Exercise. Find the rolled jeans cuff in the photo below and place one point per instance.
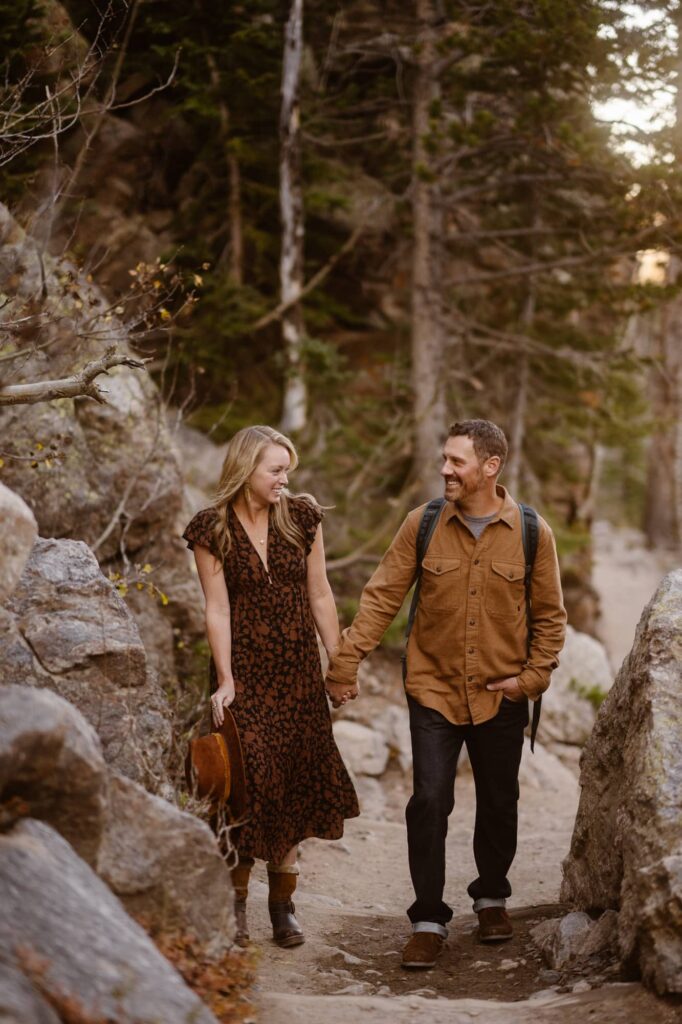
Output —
(485, 902)
(430, 926)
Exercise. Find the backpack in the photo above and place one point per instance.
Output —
(529, 535)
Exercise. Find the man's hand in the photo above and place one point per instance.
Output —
(510, 688)
(340, 693)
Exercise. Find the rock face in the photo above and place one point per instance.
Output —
(165, 866)
(626, 847)
(112, 478)
(576, 937)
(561, 941)
(363, 750)
(51, 764)
(76, 943)
(19, 532)
(67, 629)
(21, 1003)
(162, 863)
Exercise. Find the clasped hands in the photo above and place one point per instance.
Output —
(340, 693)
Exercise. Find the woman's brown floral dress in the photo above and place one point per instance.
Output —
(297, 784)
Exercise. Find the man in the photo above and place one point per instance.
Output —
(470, 673)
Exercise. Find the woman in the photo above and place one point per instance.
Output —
(260, 558)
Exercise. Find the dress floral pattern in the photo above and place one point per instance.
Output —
(297, 784)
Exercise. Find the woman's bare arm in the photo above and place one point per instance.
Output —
(320, 596)
(218, 629)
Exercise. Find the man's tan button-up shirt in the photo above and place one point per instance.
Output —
(470, 627)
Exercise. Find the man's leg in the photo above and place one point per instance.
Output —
(436, 744)
(495, 749)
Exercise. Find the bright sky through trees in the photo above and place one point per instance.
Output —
(635, 114)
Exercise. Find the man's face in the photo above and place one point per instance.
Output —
(461, 470)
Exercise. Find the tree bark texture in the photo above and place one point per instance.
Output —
(294, 412)
(427, 330)
(518, 425)
(663, 508)
(235, 244)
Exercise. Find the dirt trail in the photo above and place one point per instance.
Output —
(353, 894)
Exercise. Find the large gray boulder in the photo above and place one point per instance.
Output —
(67, 629)
(63, 929)
(626, 852)
(51, 766)
(163, 863)
(166, 867)
(363, 750)
(19, 532)
(20, 1002)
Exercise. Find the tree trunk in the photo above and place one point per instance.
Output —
(235, 262)
(235, 246)
(428, 335)
(294, 412)
(527, 318)
(663, 507)
(518, 428)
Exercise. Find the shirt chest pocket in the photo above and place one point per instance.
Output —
(505, 596)
(440, 582)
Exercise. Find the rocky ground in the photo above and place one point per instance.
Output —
(354, 891)
(352, 899)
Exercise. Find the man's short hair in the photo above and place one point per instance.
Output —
(487, 438)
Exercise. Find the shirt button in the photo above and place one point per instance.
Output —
(476, 561)
(472, 622)
(470, 678)
(511, 575)
(473, 591)
(471, 650)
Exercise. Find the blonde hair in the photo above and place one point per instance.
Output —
(244, 452)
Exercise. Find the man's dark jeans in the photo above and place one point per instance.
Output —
(495, 749)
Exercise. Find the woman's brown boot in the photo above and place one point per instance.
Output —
(286, 931)
(240, 884)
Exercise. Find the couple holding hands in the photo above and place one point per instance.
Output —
(472, 667)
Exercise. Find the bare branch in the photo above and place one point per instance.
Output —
(388, 524)
(316, 279)
(80, 385)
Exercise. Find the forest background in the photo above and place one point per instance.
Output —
(362, 220)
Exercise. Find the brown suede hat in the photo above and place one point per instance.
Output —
(214, 769)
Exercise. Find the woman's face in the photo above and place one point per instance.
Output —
(270, 475)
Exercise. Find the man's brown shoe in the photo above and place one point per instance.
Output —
(494, 925)
(422, 950)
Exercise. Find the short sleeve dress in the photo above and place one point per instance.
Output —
(297, 784)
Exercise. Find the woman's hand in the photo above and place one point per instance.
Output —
(340, 693)
(223, 697)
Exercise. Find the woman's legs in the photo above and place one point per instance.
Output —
(282, 879)
(240, 884)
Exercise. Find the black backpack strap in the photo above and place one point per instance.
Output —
(424, 533)
(530, 531)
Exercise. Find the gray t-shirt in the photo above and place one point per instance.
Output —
(477, 524)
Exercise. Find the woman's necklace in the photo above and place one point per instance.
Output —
(254, 529)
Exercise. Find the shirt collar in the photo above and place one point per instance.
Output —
(508, 513)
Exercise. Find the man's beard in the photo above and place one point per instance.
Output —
(466, 488)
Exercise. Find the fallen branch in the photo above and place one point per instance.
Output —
(80, 385)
